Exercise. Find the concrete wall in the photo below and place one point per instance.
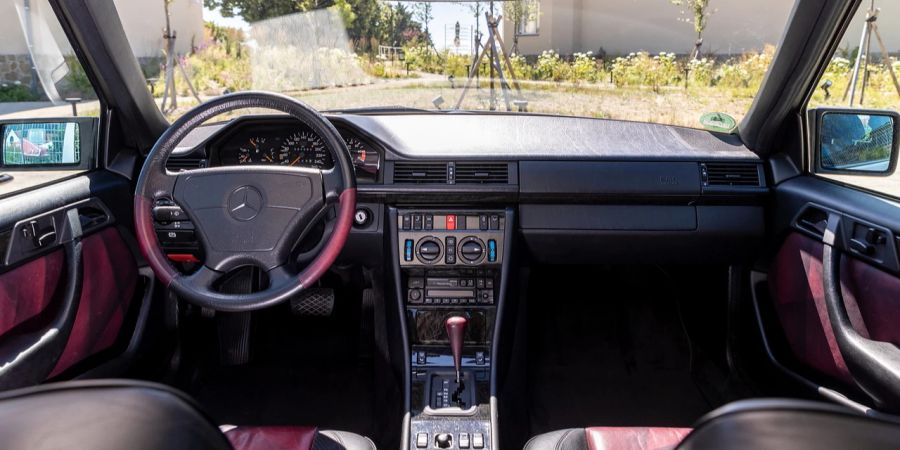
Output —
(624, 26)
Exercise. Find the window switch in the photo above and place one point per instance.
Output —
(422, 440)
(477, 440)
(463, 440)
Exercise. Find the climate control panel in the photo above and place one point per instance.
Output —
(458, 238)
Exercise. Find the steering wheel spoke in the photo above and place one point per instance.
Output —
(281, 276)
(247, 215)
(203, 279)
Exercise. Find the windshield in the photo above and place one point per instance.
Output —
(696, 63)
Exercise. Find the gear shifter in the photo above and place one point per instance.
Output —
(456, 331)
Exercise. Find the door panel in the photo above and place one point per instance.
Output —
(835, 284)
(110, 279)
(871, 296)
(27, 291)
(66, 298)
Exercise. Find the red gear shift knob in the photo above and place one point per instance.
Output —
(456, 331)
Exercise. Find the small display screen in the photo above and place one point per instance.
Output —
(447, 293)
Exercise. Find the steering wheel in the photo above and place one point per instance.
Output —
(247, 215)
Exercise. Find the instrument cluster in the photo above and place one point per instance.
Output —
(290, 143)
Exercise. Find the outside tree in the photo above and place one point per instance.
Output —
(368, 22)
(518, 12)
(699, 16)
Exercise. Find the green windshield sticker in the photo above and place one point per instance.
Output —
(716, 121)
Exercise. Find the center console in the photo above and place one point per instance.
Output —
(451, 272)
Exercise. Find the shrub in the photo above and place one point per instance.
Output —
(550, 67)
(16, 92)
(641, 69)
(747, 71)
(701, 72)
(584, 68)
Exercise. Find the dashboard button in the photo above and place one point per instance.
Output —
(492, 250)
(406, 222)
(175, 236)
(483, 222)
(451, 222)
(460, 222)
(408, 250)
(429, 221)
(495, 222)
(417, 221)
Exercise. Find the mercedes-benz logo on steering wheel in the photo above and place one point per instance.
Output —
(245, 203)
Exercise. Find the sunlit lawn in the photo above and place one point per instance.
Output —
(670, 105)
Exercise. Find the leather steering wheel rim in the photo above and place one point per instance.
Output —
(214, 220)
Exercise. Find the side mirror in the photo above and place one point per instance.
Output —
(64, 143)
(856, 141)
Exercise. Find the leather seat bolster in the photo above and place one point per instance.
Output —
(634, 438)
(274, 438)
(568, 439)
(294, 438)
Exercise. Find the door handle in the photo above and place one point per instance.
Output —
(874, 365)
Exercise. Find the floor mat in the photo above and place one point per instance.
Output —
(303, 371)
(607, 348)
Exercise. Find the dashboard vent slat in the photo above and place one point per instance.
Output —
(730, 174)
(482, 173)
(177, 164)
(420, 172)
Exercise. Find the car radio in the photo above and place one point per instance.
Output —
(468, 287)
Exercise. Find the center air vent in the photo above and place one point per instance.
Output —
(482, 173)
(420, 172)
(177, 164)
(730, 174)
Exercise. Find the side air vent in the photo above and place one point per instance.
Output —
(177, 164)
(482, 173)
(420, 172)
(730, 174)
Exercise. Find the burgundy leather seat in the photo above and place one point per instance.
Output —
(290, 438)
(120, 414)
(769, 424)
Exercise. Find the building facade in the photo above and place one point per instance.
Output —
(619, 27)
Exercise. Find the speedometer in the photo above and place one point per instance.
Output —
(304, 149)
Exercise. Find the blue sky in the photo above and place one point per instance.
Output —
(445, 17)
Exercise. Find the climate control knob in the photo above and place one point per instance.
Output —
(471, 250)
(428, 250)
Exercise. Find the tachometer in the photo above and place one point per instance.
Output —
(304, 149)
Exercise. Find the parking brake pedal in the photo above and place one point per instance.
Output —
(314, 302)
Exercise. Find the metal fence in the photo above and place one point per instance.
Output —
(41, 143)
(876, 147)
